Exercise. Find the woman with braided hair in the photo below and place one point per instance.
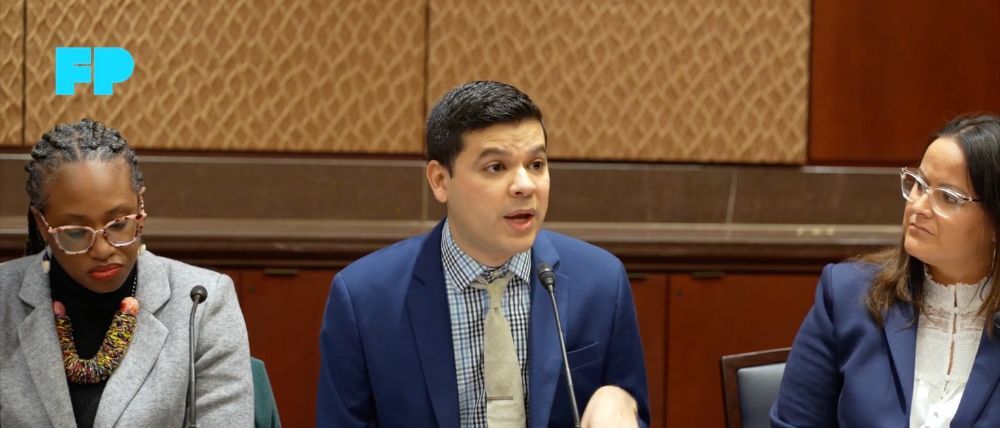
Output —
(93, 328)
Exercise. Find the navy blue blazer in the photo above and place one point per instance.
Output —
(386, 345)
(845, 370)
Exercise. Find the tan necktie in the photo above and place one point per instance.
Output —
(502, 372)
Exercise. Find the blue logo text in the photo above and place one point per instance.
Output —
(103, 66)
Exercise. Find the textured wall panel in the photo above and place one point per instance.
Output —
(296, 75)
(687, 80)
(11, 62)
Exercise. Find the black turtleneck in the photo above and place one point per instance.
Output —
(91, 314)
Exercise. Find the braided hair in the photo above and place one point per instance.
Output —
(86, 140)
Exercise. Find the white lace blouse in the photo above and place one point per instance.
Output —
(948, 334)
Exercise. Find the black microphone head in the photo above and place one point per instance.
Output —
(546, 275)
(198, 294)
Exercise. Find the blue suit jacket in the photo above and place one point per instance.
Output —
(845, 370)
(386, 345)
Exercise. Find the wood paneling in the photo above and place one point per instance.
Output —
(887, 74)
(283, 311)
(11, 72)
(650, 295)
(709, 317)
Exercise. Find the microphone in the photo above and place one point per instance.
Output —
(198, 295)
(548, 278)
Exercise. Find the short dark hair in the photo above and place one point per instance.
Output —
(86, 140)
(471, 106)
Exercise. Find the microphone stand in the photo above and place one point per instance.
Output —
(198, 295)
(548, 279)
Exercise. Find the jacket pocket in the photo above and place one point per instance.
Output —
(584, 356)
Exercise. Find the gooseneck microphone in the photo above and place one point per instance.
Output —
(548, 278)
(198, 295)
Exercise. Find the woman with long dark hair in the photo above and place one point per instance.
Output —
(908, 336)
(94, 328)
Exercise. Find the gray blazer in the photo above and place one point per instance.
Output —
(149, 388)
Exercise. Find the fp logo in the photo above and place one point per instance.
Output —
(105, 67)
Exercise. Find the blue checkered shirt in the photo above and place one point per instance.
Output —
(468, 306)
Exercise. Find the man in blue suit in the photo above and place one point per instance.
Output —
(408, 339)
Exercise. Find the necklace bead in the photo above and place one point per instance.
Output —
(113, 348)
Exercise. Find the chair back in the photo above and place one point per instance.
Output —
(265, 409)
(750, 385)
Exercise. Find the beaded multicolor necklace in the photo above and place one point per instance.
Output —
(112, 350)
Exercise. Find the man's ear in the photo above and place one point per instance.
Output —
(438, 178)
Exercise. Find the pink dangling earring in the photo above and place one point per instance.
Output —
(142, 248)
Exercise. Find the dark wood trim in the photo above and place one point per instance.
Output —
(332, 244)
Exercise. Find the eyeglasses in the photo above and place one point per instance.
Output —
(944, 201)
(119, 232)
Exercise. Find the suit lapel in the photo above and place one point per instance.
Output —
(982, 382)
(40, 348)
(545, 355)
(427, 303)
(153, 291)
(901, 336)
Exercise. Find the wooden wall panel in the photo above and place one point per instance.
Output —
(887, 74)
(712, 317)
(690, 80)
(242, 75)
(11, 72)
(650, 295)
(283, 312)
